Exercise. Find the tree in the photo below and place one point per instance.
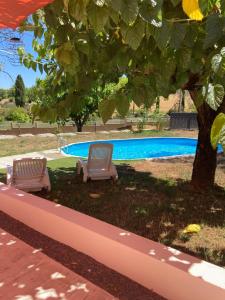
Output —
(154, 43)
(89, 107)
(52, 104)
(19, 91)
(49, 104)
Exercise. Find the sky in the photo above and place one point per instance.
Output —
(28, 75)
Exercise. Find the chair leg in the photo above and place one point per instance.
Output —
(115, 178)
(78, 166)
(85, 178)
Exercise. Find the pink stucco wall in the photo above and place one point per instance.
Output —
(169, 272)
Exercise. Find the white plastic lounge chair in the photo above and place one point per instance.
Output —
(99, 164)
(29, 174)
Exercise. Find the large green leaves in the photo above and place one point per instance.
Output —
(127, 8)
(64, 54)
(133, 34)
(122, 104)
(107, 108)
(217, 130)
(207, 6)
(218, 63)
(215, 26)
(178, 35)
(162, 35)
(213, 95)
(68, 57)
(77, 9)
(97, 16)
(150, 11)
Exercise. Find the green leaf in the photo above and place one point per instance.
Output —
(40, 67)
(222, 7)
(48, 114)
(129, 11)
(77, 9)
(64, 54)
(218, 64)
(122, 104)
(162, 35)
(46, 68)
(139, 95)
(214, 30)
(207, 6)
(98, 17)
(114, 16)
(35, 109)
(27, 63)
(217, 126)
(34, 66)
(216, 60)
(151, 11)
(107, 108)
(175, 2)
(184, 58)
(133, 35)
(178, 35)
(214, 95)
(117, 5)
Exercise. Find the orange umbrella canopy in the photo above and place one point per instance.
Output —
(13, 12)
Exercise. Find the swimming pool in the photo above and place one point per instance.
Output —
(140, 148)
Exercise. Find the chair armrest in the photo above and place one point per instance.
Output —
(82, 162)
(9, 174)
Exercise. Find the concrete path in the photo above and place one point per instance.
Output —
(49, 154)
(27, 274)
(9, 137)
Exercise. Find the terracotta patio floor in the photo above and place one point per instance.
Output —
(26, 274)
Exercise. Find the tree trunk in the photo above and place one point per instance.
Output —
(79, 127)
(204, 167)
(157, 106)
(79, 124)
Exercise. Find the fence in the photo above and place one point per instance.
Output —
(183, 121)
(15, 128)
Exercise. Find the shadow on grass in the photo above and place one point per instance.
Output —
(137, 195)
(158, 209)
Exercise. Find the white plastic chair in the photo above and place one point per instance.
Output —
(29, 174)
(99, 164)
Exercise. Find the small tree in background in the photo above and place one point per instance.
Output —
(19, 91)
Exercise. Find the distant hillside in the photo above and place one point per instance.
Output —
(171, 104)
(4, 103)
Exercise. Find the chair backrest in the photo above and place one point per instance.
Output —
(100, 156)
(29, 168)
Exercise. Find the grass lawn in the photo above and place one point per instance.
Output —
(152, 199)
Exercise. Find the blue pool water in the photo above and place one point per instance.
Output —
(142, 148)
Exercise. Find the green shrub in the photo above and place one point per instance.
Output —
(141, 124)
(1, 119)
(17, 114)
